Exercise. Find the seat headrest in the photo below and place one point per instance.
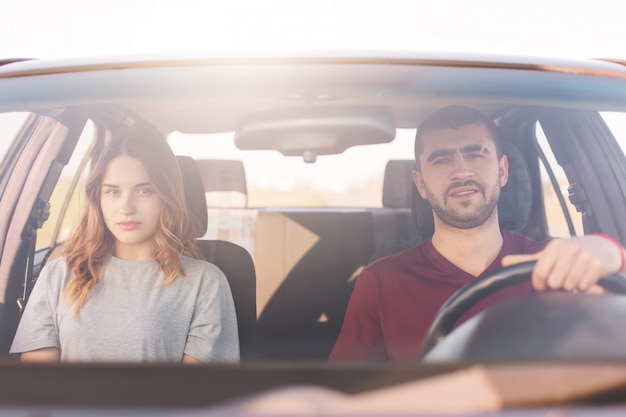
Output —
(194, 193)
(516, 197)
(221, 176)
(514, 205)
(398, 180)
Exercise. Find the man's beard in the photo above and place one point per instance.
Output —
(465, 219)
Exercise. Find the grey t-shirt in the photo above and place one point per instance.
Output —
(130, 318)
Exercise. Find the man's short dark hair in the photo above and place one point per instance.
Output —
(454, 117)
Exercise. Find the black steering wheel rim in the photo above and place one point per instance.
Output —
(468, 296)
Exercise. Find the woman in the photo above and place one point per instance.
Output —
(127, 288)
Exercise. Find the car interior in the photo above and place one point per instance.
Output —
(298, 173)
(292, 267)
(289, 326)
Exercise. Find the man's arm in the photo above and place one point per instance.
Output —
(573, 264)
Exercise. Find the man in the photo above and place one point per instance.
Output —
(460, 171)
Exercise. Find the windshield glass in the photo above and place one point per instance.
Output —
(229, 215)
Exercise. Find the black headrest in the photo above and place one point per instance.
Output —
(516, 197)
(398, 179)
(225, 182)
(194, 192)
(222, 175)
(513, 207)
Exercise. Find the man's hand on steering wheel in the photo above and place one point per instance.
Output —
(573, 264)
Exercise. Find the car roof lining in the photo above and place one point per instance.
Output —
(212, 99)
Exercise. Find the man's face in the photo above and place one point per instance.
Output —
(461, 175)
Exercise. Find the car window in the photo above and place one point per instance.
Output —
(561, 216)
(617, 123)
(350, 179)
(10, 124)
(67, 199)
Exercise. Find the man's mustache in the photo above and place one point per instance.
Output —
(466, 183)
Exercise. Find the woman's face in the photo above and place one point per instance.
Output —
(131, 208)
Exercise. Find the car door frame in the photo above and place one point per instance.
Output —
(45, 146)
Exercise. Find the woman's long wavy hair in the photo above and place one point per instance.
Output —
(91, 241)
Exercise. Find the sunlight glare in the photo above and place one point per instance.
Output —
(559, 28)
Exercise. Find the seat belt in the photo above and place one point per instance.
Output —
(40, 213)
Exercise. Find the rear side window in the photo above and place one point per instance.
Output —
(353, 178)
(10, 125)
(67, 200)
(561, 216)
(617, 123)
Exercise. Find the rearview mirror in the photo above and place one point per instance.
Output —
(313, 131)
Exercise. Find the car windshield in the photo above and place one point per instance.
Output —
(296, 187)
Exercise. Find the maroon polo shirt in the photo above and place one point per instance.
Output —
(396, 299)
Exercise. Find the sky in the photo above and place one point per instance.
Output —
(68, 28)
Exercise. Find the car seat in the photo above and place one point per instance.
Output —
(232, 259)
(224, 176)
(226, 195)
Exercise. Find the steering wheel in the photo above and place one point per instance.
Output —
(468, 296)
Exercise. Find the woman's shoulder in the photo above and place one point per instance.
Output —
(208, 275)
(195, 266)
(57, 265)
(55, 272)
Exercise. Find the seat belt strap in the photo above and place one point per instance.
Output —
(40, 213)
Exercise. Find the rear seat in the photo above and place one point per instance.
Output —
(306, 259)
(306, 262)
